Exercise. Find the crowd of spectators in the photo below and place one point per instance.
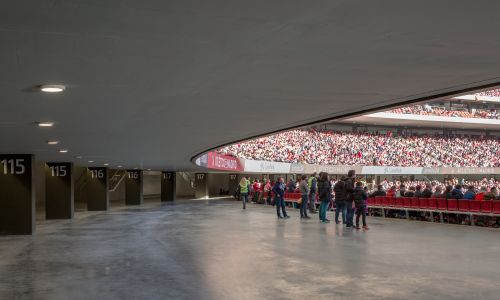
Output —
(428, 110)
(490, 93)
(360, 148)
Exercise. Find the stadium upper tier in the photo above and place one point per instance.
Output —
(367, 149)
(429, 110)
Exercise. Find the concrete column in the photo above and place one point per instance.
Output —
(201, 185)
(134, 187)
(17, 195)
(168, 182)
(59, 191)
(97, 189)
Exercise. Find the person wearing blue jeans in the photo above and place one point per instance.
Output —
(349, 189)
(325, 194)
(279, 198)
(340, 208)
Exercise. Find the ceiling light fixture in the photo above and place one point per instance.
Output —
(78, 157)
(106, 164)
(91, 161)
(63, 151)
(119, 166)
(52, 88)
(45, 124)
(52, 142)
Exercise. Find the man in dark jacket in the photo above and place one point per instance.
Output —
(457, 192)
(349, 188)
(340, 200)
(325, 195)
(427, 193)
(379, 192)
(279, 197)
(359, 195)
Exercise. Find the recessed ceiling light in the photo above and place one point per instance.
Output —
(91, 161)
(149, 169)
(135, 168)
(52, 142)
(63, 151)
(78, 157)
(119, 166)
(45, 124)
(52, 88)
(106, 164)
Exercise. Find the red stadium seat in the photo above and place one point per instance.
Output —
(414, 202)
(392, 201)
(399, 202)
(475, 206)
(487, 206)
(385, 201)
(423, 203)
(406, 202)
(452, 204)
(496, 207)
(442, 204)
(378, 201)
(432, 203)
(463, 205)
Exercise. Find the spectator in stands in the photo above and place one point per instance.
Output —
(379, 192)
(244, 190)
(410, 192)
(304, 192)
(392, 191)
(418, 191)
(325, 194)
(492, 195)
(448, 193)
(313, 187)
(469, 194)
(427, 192)
(457, 192)
(401, 192)
(360, 196)
(438, 193)
(279, 198)
(480, 195)
(340, 200)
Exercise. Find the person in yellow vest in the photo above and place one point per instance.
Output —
(244, 183)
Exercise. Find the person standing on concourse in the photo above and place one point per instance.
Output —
(304, 192)
(244, 191)
(279, 198)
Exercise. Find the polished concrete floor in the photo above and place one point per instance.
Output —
(215, 250)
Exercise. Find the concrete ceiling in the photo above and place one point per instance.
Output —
(152, 83)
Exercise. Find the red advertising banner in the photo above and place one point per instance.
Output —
(224, 162)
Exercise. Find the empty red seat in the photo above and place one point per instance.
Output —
(406, 202)
(487, 206)
(463, 205)
(414, 202)
(423, 203)
(399, 202)
(452, 204)
(392, 201)
(496, 207)
(442, 204)
(385, 201)
(432, 203)
(370, 201)
(378, 200)
(475, 206)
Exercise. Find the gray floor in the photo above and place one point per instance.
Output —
(215, 250)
